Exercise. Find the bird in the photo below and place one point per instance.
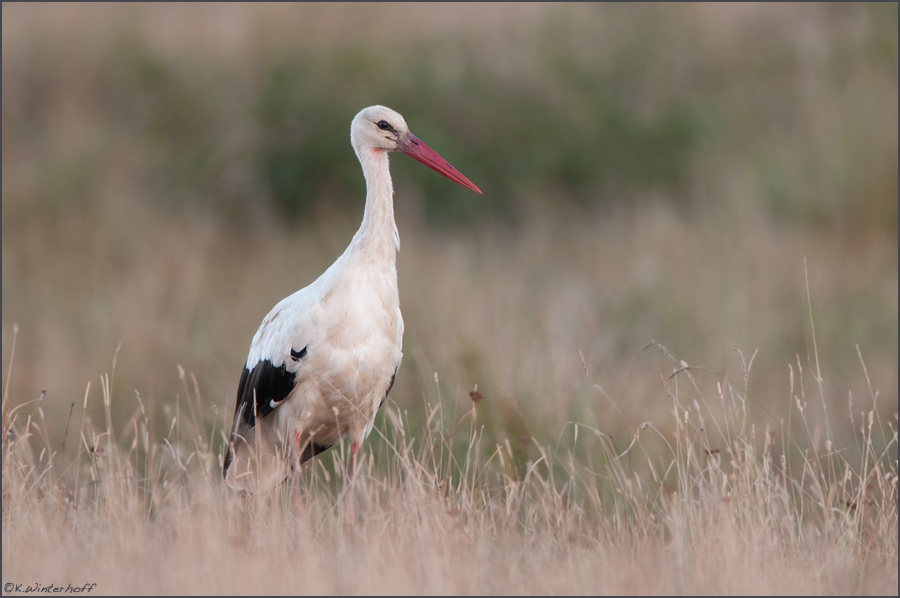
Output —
(325, 358)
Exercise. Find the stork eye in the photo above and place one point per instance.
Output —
(384, 125)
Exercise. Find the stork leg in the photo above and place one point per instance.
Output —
(354, 448)
(295, 500)
(349, 498)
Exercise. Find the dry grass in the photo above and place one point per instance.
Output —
(713, 518)
(751, 450)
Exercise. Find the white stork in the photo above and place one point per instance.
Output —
(324, 359)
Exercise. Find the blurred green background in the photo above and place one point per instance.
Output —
(650, 172)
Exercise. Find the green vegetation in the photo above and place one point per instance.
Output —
(561, 106)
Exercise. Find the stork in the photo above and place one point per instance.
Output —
(324, 359)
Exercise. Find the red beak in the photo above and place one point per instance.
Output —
(415, 149)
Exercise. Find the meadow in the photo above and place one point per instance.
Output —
(658, 355)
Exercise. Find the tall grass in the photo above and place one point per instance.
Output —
(723, 511)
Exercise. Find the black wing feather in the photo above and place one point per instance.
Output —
(390, 386)
(268, 384)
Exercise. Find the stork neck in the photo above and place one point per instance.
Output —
(378, 232)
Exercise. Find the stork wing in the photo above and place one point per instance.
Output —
(275, 357)
(270, 373)
(262, 389)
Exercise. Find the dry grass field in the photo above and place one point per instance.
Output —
(658, 356)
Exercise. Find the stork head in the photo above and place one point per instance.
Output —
(378, 128)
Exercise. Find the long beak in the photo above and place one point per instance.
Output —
(417, 150)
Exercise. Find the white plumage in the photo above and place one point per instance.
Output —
(324, 359)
